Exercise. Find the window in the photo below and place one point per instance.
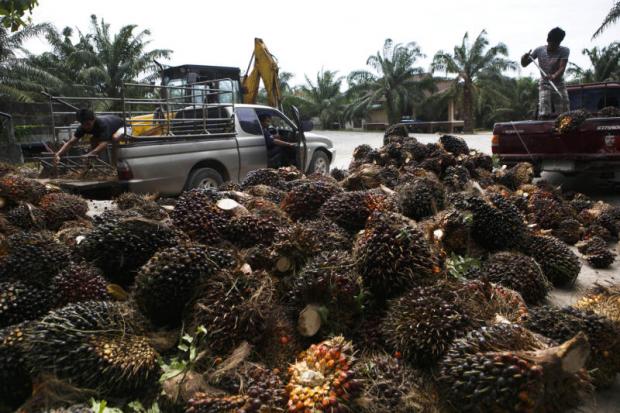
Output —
(176, 92)
(249, 121)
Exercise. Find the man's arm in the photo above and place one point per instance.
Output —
(560, 72)
(280, 142)
(527, 58)
(101, 146)
(67, 145)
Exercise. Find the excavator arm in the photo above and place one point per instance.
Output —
(265, 68)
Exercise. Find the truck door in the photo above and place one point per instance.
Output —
(252, 149)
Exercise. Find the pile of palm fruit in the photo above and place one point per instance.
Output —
(418, 280)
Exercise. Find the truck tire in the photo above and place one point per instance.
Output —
(205, 178)
(319, 163)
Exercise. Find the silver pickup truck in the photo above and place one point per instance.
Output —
(172, 166)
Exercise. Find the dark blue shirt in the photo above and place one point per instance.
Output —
(103, 128)
(268, 134)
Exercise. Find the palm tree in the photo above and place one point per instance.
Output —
(20, 80)
(504, 98)
(396, 84)
(111, 60)
(605, 65)
(468, 62)
(612, 17)
(321, 98)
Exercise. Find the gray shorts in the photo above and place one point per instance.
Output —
(549, 102)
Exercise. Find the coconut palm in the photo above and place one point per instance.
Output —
(395, 83)
(611, 18)
(605, 65)
(468, 62)
(321, 98)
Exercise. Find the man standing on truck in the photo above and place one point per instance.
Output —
(552, 60)
(278, 150)
(104, 129)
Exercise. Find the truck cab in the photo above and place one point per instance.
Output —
(593, 147)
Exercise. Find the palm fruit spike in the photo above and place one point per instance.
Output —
(167, 281)
(305, 200)
(59, 207)
(483, 378)
(421, 198)
(392, 255)
(33, 257)
(512, 178)
(21, 302)
(454, 144)
(559, 264)
(94, 344)
(331, 283)
(603, 335)
(518, 272)
(16, 189)
(248, 230)
(389, 385)
(263, 387)
(232, 306)
(350, 210)
(264, 176)
(422, 323)
(323, 378)
(79, 282)
(604, 301)
(196, 214)
(497, 224)
(205, 403)
(121, 246)
(15, 382)
(570, 121)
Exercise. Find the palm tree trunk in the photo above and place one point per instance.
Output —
(468, 108)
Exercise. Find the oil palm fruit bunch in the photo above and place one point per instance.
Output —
(232, 306)
(94, 344)
(596, 252)
(338, 174)
(393, 255)
(20, 301)
(59, 207)
(331, 282)
(263, 176)
(167, 281)
(296, 244)
(79, 282)
(546, 210)
(15, 188)
(207, 403)
(559, 264)
(265, 208)
(197, 215)
(280, 343)
(417, 150)
(455, 178)
(265, 191)
(350, 210)
(389, 385)
(323, 378)
(602, 300)
(496, 369)
(121, 246)
(263, 388)
(305, 200)
(570, 121)
(421, 198)
(290, 173)
(568, 230)
(246, 231)
(454, 231)
(145, 205)
(512, 178)
(496, 222)
(561, 324)
(15, 381)
(517, 272)
(34, 257)
(27, 217)
(422, 323)
(454, 145)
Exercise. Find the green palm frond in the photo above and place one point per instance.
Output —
(611, 18)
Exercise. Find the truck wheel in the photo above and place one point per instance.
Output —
(319, 163)
(204, 178)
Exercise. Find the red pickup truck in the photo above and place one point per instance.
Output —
(594, 146)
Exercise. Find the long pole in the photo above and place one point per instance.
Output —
(547, 76)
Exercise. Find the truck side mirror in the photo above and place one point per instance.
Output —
(307, 125)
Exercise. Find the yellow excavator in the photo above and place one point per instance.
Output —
(263, 65)
(265, 68)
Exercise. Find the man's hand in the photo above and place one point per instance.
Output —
(526, 59)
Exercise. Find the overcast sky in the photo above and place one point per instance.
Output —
(307, 36)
